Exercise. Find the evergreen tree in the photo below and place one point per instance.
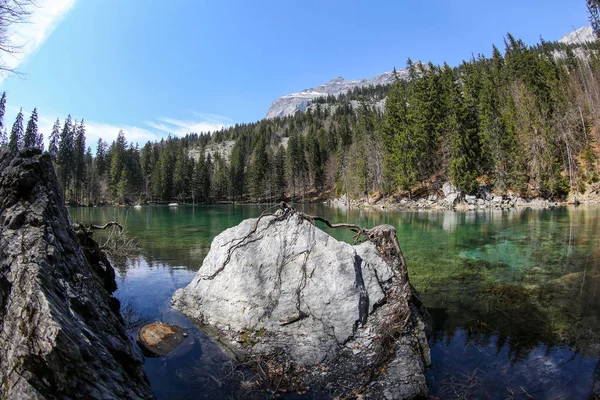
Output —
(101, 157)
(3, 138)
(54, 139)
(31, 137)
(79, 161)
(394, 123)
(461, 125)
(180, 174)
(116, 166)
(278, 172)
(15, 143)
(2, 110)
(39, 142)
(259, 170)
(594, 10)
(65, 156)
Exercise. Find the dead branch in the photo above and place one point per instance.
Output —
(244, 240)
(92, 227)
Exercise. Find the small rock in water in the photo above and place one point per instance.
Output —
(159, 339)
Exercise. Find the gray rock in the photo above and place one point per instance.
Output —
(451, 199)
(497, 200)
(448, 189)
(313, 298)
(470, 199)
(61, 335)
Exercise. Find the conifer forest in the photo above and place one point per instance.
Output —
(522, 120)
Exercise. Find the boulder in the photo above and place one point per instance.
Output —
(497, 200)
(470, 199)
(61, 334)
(303, 298)
(448, 189)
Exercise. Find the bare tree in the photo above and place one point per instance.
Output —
(12, 12)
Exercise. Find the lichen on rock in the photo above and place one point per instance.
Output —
(343, 318)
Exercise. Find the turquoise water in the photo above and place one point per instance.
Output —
(514, 294)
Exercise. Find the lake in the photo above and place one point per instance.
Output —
(514, 294)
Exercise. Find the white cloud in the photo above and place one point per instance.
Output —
(108, 133)
(96, 130)
(205, 123)
(134, 134)
(45, 16)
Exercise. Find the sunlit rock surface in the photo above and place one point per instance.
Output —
(281, 286)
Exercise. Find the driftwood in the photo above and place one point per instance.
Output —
(116, 245)
(92, 227)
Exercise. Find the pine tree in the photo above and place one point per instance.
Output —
(39, 141)
(394, 124)
(413, 141)
(90, 177)
(462, 129)
(101, 162)
(65, 156)
(278, 172)
(117, 163)
(3, 138)
(79, 161)
(180, 176)
(594, 10)
(2, 110)
(54, 139)
(15, 143)
(259, 169)
(31, 137)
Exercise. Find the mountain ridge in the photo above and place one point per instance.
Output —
(291, 103)
(299, 101)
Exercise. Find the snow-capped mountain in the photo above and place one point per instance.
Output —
(584, 34)
(289, 104)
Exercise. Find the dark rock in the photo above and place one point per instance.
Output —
(61, 335)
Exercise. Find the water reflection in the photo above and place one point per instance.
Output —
(514, 294)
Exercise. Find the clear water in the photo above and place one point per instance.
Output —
(514, 295)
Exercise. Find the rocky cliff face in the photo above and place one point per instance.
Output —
(291, 103)
(280, 288)
(61, 335)
(585, 34)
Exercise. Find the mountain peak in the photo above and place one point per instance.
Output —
(584, 34)
(291, 103)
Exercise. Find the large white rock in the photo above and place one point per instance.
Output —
(289, 269)
(300, 293)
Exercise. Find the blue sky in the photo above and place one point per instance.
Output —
(152, 67)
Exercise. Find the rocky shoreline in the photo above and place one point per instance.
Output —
(449, 198)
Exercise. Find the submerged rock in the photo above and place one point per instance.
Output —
(61, 335)
(159, 339)
(345, 317)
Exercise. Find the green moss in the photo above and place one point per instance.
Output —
(248, 337)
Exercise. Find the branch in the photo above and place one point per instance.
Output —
(107, 225)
